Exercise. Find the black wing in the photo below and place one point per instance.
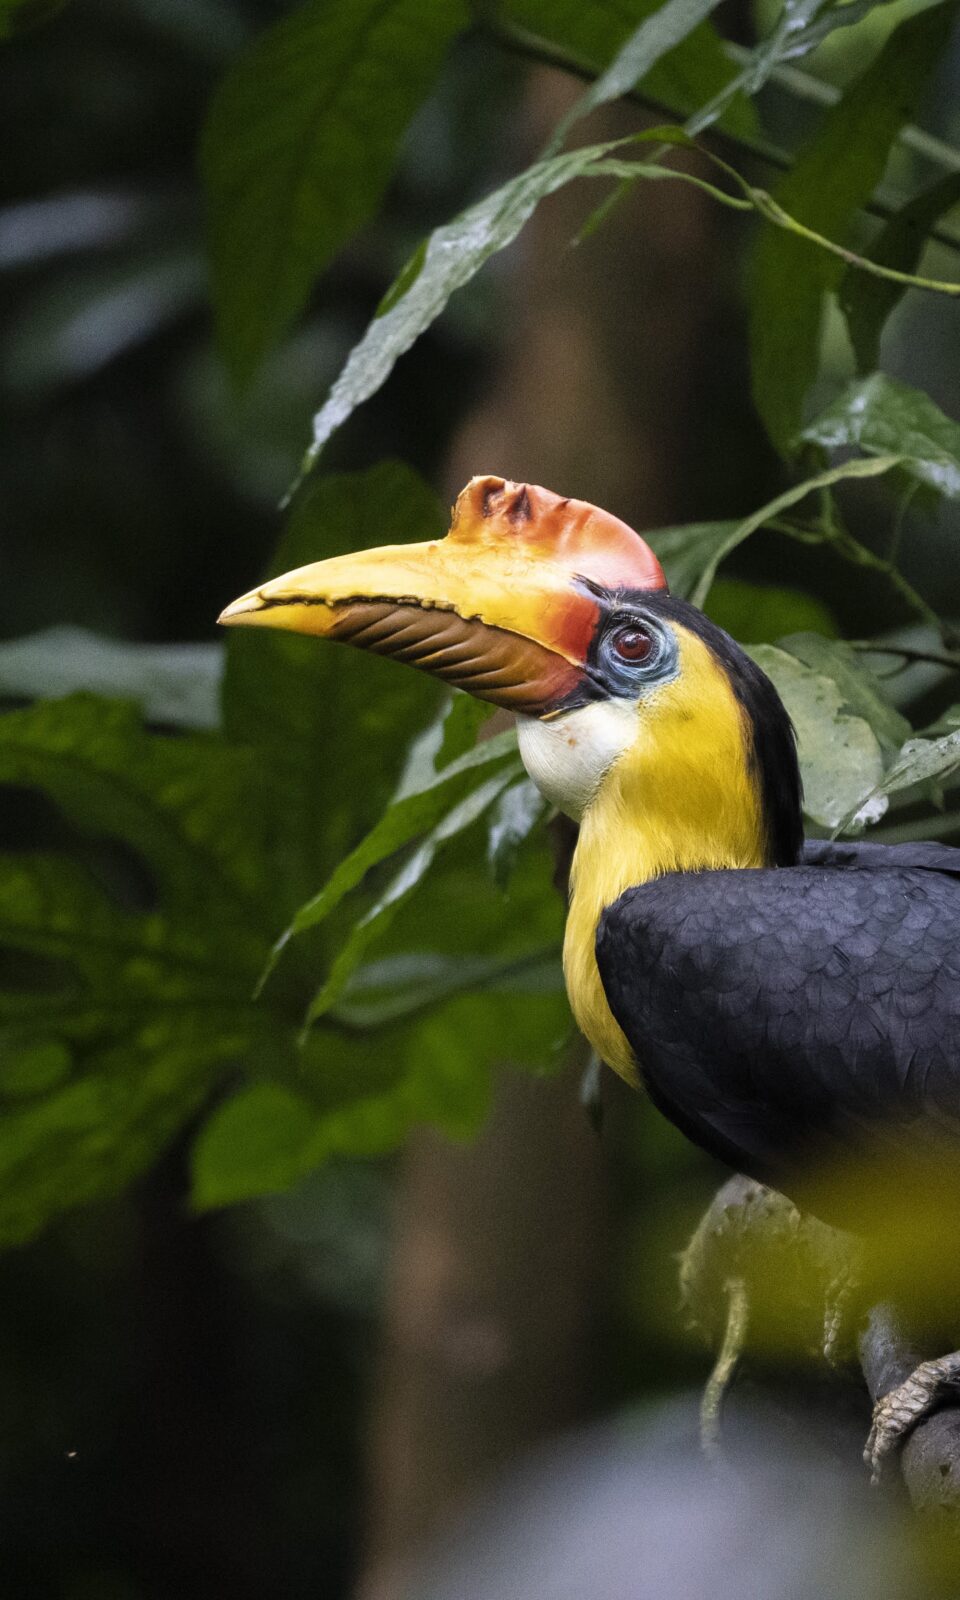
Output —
(861, 854)
(776, 1010)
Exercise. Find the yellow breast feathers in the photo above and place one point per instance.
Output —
(682, 796)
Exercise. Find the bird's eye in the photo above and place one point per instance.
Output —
(632, 644)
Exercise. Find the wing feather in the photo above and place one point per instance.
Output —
(776, 1010)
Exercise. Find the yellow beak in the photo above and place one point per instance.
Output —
(505, 606)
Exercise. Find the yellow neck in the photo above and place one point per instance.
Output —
(681, 798)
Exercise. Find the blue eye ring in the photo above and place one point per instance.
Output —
(633, 653)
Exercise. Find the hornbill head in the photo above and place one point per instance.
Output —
(547, 606)
(505, 606)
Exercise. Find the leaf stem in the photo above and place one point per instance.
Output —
(937, 658)
(862, 556)
(758, 200)
(806, 86)
(774, 212)
(521, 42)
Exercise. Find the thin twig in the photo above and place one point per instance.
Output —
(805, 86)
(520, 42)
(861, 556)
(907, 652)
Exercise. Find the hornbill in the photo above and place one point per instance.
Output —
(784, 1003)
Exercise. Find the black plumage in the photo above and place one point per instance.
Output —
(780, 1015)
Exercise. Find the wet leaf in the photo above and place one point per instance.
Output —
(519, 810)
(664, 28)
(882, 416)
(454, 253)
(840, 756)
(685, 78)
(861, 692)
(921, 761)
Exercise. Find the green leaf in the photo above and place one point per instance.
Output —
(438, 1071)
(921, 761)
(364, 1092)
(787, 37)
(454, 253)
(866, 301)
(687, 552)
(861, 694)
(176, 685)
(374, 922)
(683, 79)
(461, 725)
(517, 812)
(406, 819)
(881, 416)
(180, 804)
(329, 726)
(370, 1087)
(833, 176)
(717, 547)
(300, 142)
(392, 987)
(32, 1068)
(947, 722)
(840, 756)
(116, 1013)
(259, 1142)
(665, 27)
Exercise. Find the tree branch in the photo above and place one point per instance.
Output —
(930, 1456)
(792, 1266)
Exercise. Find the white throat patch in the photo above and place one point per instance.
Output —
(568, 756)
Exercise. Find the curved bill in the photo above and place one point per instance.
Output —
(505, 606)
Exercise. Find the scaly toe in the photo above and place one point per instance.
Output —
(896, 1414)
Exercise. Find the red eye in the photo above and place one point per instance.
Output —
(632, 644)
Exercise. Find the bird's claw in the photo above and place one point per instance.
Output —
(725, 1366)
(841, 1303)
(896, 1414)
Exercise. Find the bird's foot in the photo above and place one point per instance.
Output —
(842, 1306)
(896, 1414)
(759, 1277)
(725, 1367)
